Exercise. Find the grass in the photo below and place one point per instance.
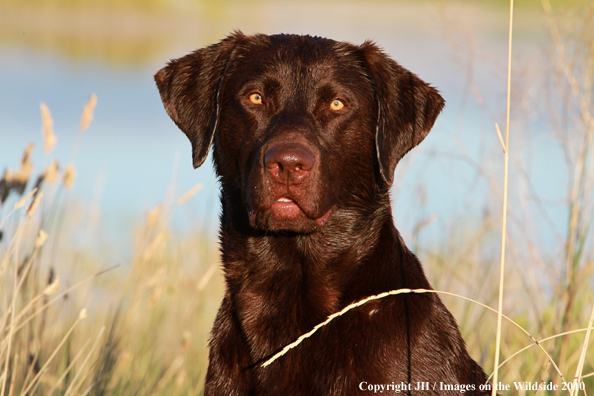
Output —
(506, 149)
(73, 324)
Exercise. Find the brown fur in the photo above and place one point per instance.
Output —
(330, 240)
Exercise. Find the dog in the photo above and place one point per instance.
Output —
(306, 134)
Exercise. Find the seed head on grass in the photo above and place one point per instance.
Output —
(87, 115)
(17, 180)
(69, 176)
(152, 216)
(50, 174)
(41, 239)
(47, 129)
(53, 287)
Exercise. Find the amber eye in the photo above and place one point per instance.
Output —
(256, 98)
(336, 105)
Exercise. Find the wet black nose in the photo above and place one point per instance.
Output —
(289, 163)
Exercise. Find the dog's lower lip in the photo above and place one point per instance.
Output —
(285, 209)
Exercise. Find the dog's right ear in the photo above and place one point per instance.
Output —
(190, 87)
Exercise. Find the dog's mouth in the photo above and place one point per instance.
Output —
(285, 209)
(287, 213)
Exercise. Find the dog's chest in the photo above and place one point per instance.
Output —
(335, 359)
(273, 312)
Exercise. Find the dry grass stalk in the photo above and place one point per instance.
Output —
(70, 366)
(189, 194)
(157, 277)
(504, 214)
(11, 390)
(580, 367)
(33, 206)
(41, 372)
(33, 303)
(87, 115)
(155, 245)
(206, 278)
(73, 387)
(578, 196)
(538, 343)
(157, 293)
(47, 129)
(24, 200)
(175, 368)
(9, 338)
(500, 136)
(19, 277)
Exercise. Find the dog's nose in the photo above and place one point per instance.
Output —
(289, 163)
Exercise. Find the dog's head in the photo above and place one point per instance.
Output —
(302, 126)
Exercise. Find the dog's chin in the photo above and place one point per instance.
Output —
(287, 217)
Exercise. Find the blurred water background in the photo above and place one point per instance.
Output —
(60, 52)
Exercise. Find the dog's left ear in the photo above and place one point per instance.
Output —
(407, 108)
(189, 88)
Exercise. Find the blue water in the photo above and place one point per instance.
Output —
(137, 152)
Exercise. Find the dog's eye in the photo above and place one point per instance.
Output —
(256, 98)
(336, 105)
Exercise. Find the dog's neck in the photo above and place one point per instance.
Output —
(309, 276)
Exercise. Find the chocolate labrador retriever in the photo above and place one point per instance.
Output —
(306, 133)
